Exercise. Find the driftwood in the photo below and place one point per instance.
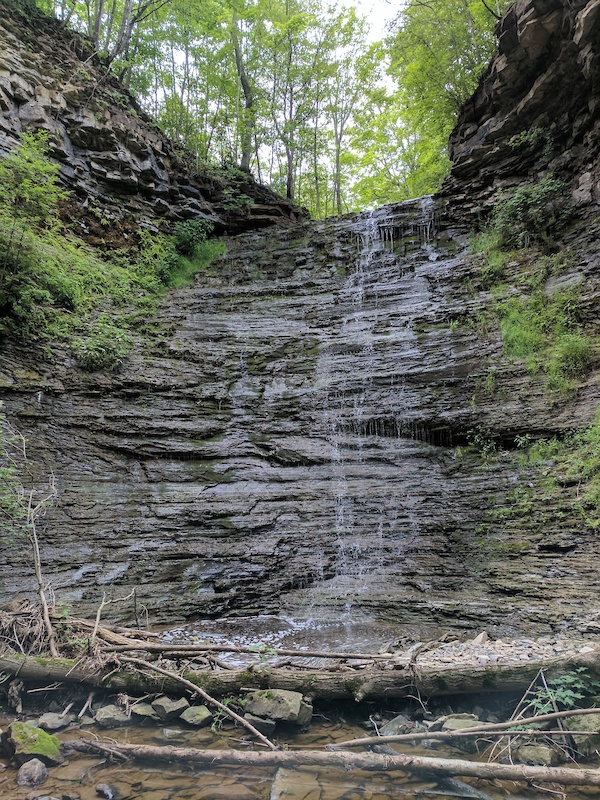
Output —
(502, 728)
(348, 761)
(429, 680)
(195, 649)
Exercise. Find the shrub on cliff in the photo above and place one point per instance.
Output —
(531, 213)
(53, 285)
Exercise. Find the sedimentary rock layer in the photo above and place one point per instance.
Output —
(287, 441)
(119, 165)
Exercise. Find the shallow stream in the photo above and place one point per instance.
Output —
(79, 775)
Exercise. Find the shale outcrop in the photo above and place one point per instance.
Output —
(535, 111)
(116, 161)
(308, 429)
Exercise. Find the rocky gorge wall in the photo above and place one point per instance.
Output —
(115, 160)
(535, 111)
(291, 435)
(288, 439)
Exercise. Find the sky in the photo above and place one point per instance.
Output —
(378, 13)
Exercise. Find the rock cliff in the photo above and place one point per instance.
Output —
(293, 436)
(118, 163)
(536, 108)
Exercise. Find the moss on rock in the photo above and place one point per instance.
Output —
(29, 742)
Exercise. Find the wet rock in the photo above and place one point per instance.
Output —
(171, 735)
(32, 773)
(454, 722)
(589, 742)
(104, 790)
(262, 725)
(144, 711)
(112, 716)
(332, 368)
(537, 754)
(27, 742)
(295, 784)
(397, 725)
(279, 705)
(198, 716)
(169, 709)
(54, 722)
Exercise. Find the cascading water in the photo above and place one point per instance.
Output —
(360, 353)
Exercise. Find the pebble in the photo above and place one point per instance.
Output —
(499, 651)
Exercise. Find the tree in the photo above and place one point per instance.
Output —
(438, 50)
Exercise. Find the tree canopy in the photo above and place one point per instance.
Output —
(295, 92)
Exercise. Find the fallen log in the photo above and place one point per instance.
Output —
(193, 649)
(196, 690)
(347, 761)
(430, 679)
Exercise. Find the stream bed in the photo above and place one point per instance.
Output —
(80, 777)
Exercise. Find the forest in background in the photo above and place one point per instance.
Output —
(296, 91)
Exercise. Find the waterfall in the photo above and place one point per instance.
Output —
(362, 350)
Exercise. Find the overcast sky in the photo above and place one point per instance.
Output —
(378, 12)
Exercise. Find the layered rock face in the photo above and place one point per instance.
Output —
(119, 165)
(291, 436)
(287, 442)
(536, 109)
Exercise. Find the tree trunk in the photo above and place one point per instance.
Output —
(348, 761)
(248, 114)
(340, 684)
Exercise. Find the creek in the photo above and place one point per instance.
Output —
(79, 776)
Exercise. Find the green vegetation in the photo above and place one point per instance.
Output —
(542, 330)
(564, 692)
(438, 52)
(53, 285)
(563, 464)
(295, 91)
(531, 213)
(540, 326)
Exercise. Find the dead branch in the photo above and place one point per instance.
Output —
(104, 603)
(139, 664)
(166, 649)
(349, 761)
(475, 730)
(33, 512)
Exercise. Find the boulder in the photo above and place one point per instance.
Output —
(198, 716)
(144, 711)
(454, 722)
(397, 725)
(54, 722)
(460, 722)
(28, 742)
(536, 754)
(32, 773)
(168, 709)
(280, 705)
(586, 743)
(296, 784)
(264, 726)
(112, 717)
